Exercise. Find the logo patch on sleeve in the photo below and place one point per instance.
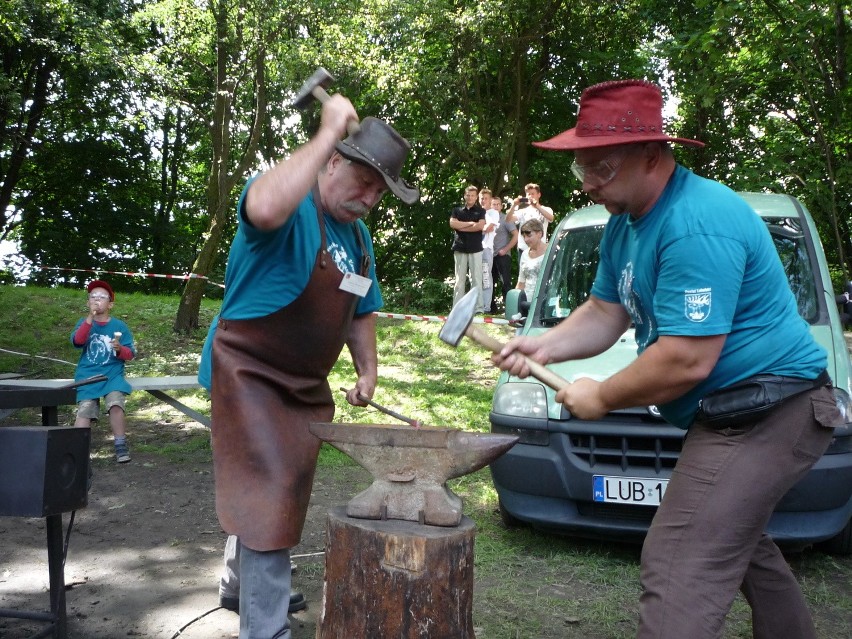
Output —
(697, 304)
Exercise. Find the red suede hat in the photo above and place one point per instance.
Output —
(618, 112)
(101, 284)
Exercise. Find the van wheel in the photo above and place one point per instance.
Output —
(509, 520)
(841, 543)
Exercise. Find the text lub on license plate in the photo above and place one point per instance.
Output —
(629, 490)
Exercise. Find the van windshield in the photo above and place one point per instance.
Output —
(576, 251)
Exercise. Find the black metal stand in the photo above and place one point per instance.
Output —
(40, 465)
(57, 616)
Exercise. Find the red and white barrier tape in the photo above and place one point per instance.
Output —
(191, 276)
(402, 316)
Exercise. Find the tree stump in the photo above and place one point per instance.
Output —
(396, 579)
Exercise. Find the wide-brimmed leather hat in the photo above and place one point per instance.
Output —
(379, 146)
(617, 112)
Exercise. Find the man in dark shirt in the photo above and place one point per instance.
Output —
(468, 221)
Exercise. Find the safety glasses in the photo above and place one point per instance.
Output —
(602, 172)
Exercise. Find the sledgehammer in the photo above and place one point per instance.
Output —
(458, 324)
(314, 88)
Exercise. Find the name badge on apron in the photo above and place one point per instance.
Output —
(356, 284)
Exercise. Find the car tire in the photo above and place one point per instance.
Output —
(509, 520)
(840, 544)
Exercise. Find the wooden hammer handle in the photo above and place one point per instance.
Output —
(540, 372)
(352, 127)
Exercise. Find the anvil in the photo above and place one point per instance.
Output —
(410, 467)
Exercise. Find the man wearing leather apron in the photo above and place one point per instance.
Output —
(300, 283)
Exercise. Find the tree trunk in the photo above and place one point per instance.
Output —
(221, 182)
(190, 301)
(22, 141)
(397, 579)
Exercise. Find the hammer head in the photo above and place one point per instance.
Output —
(305, 96)
(460, 318)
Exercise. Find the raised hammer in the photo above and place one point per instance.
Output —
(458, 325)
(314, 88)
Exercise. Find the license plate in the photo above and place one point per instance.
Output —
(629, 490)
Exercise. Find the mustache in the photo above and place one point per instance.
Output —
(355, 207)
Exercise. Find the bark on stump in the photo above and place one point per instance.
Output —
(396, 579)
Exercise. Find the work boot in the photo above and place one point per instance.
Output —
(297, 602)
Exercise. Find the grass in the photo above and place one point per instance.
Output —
(528, 584)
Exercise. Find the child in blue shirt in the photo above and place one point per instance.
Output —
(107, 344)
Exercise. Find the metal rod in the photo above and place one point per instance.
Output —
(412, 422)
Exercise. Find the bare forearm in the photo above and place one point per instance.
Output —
(664, 371)
(545, 211)
(273, 196)
(467, 227)
(362, 347)
(589, 330)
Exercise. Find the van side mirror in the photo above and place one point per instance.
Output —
(517, 306)
(512, 303)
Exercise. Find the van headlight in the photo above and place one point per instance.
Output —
(518, 399)
(842, 440)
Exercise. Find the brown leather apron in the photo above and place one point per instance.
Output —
(269, 383)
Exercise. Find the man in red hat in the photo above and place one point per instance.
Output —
(106, 344)
(699, 330)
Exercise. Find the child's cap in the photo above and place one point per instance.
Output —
(101, 284)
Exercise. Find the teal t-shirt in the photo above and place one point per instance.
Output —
(98, 358)
(701, 262)
(267, 270)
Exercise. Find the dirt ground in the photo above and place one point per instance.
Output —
(144, 556)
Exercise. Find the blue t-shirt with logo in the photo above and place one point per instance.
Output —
(701, 262)
(98, 358)
(267, 270)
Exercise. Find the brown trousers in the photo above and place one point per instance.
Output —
(707, 539)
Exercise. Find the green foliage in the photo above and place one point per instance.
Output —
(766, 86)
(415, 295)
(501, 74)
(128, 129)
(59, 71)
(838, 279)
(194, 447)
(37, 323)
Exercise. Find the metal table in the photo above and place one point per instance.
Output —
(47, 393)
(16, 394)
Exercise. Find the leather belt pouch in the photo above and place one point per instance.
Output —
(750, 399)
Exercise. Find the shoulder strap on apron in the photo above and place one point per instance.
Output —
(365, 255)
(321, 222)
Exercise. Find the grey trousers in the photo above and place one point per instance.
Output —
(487, 282)
(707, 539)
(229, 583)
(468, 264)
(262, 582)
